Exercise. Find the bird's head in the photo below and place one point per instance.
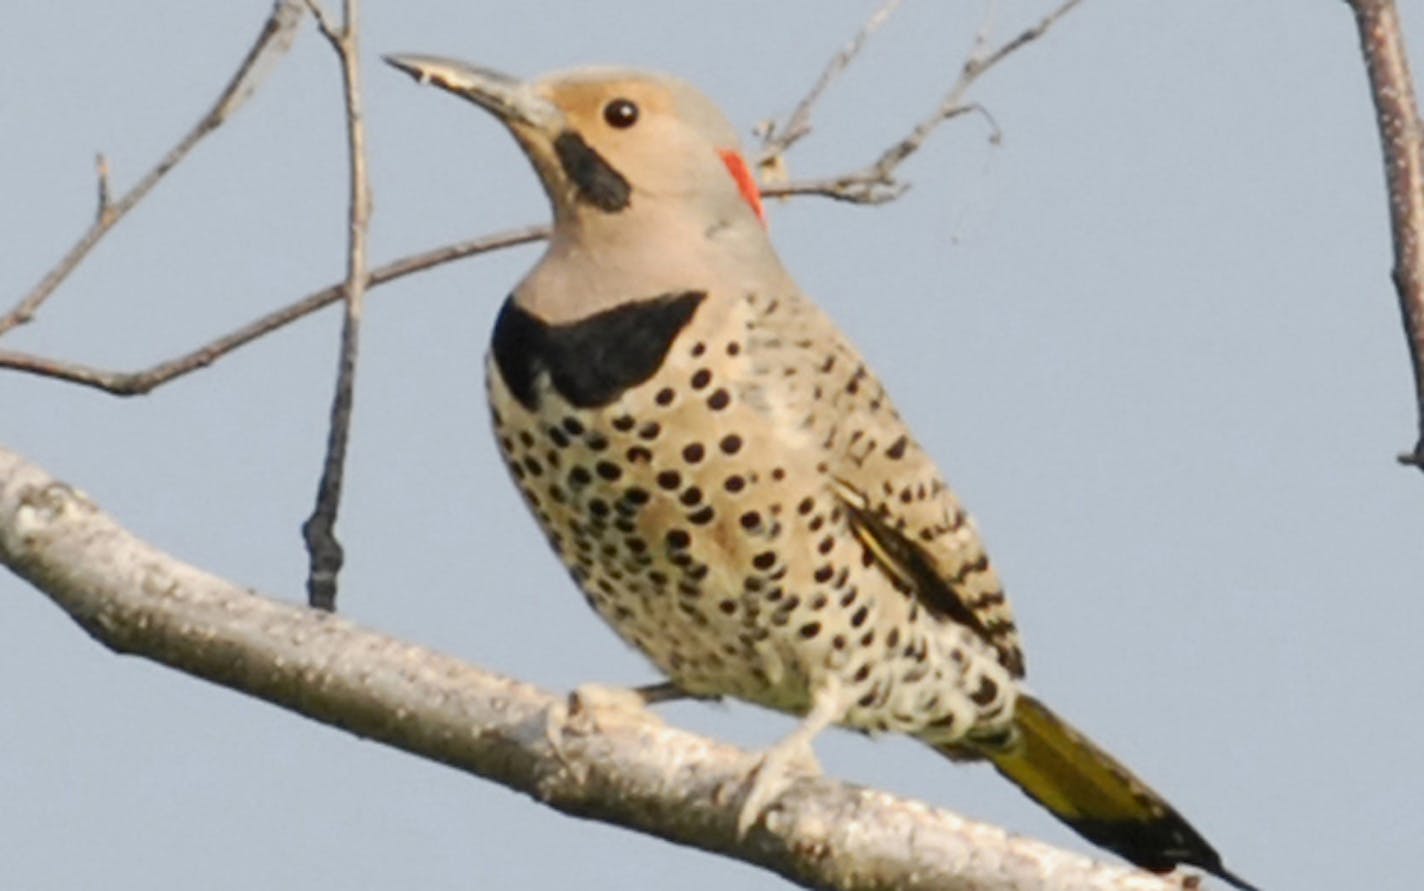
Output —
(613, 144)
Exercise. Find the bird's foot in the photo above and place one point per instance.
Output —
(777, 768)
(587, 704)
(772, 772)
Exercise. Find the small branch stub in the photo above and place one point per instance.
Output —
(101, 169)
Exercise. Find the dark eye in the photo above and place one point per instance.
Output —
(620, 113)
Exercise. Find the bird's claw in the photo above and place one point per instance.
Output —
(772, 773)
(579, 713)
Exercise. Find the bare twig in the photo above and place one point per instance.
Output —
(319, 530)
(1402, 142)
(622, 767)
(877, 183)
(137, 383)
(271, 44)
(777, 138)
(328, 28)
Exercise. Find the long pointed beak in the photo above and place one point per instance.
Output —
(512, 101)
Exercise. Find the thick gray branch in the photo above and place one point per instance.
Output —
(622, 767)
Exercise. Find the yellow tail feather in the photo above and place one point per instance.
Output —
(1097, 796)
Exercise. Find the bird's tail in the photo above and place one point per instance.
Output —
(1099, 798)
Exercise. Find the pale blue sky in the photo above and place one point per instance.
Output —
(1151, 339)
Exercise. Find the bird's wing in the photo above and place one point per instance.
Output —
(900, 507)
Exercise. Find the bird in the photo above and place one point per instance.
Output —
(727, 481)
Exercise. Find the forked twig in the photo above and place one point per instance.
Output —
(876, 183)
(778, 138)
(272, 43)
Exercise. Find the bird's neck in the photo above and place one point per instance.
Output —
(596, 261)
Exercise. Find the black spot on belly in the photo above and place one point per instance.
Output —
(590, 362)
(596, 180)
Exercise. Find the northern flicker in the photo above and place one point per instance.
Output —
(727, 481)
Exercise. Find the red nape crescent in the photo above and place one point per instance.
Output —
(737, 166)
